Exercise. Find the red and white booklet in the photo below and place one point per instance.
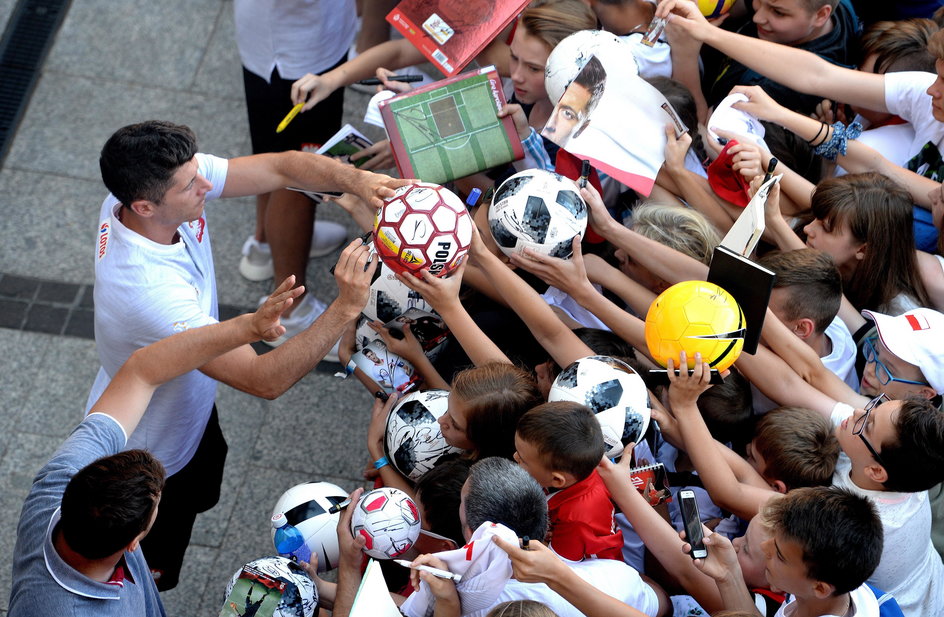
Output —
(452, 32)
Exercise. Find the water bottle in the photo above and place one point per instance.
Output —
(288, 540)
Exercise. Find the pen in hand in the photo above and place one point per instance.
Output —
(406, 79)
(289, 117)
(437, 572)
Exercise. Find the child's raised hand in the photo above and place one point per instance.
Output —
(406, 347)
(565, 274)
(758, 104)
(378, 424)
(600, 218)
(722, 562)
(685, 388)
(439, 292)
(536, 564)
(517, 115)
(676, 148)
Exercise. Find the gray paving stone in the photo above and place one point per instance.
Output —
(52, 234)
(64, 134)
(159, 44)
(66, 372)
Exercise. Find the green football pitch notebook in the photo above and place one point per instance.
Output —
(449, 129)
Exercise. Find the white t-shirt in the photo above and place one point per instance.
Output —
(910, 568)
(841, 360)
(864, 604)
(893, 141)
(906, 96)
(144, 292)
(655, 61)
(612, 577)
(297, 36)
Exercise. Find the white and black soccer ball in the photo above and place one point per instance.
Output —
(306, 507)
(388, 520)
(299, 597)
(389, 298)
(413, 440)
(571, 55)
(537, 209)
(614, 392)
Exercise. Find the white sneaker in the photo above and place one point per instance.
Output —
(326, 237)
(256, 264)
(301, 318)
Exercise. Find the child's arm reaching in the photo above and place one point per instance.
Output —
(722, 485)
(571, 277)
(722, 565)
(410, 350)
(443, 295)
(560, 342)
(658, 535)
(663, 261)
(375, 437)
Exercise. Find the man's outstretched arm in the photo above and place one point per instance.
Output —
(127, 396)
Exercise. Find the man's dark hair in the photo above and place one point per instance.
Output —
(139, 161)
(839, 533)
(915, 462)
(566, 434)
(813, 282)
(109, 502)
(502, 492)
(439, 490)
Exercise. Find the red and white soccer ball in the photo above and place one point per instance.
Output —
(423, 227)
(388, 520)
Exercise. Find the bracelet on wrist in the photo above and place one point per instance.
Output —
(381, 462)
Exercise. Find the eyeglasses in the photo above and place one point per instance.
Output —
(862, 421)
(882, 373)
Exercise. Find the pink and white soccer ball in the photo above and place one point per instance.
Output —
(388, 520)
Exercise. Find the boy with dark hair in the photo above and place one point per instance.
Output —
(827, 28)
(806, 298)
(560, 444)
(824, 544)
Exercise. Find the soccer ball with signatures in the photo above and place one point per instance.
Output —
(422, 227)
(388, 520)
(414, 441)
(613, 391)
(537, 209)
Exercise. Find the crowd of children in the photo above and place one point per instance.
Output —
(819, 457)
(817, 465)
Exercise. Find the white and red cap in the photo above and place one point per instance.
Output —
(917, 337)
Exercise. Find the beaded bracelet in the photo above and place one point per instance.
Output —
(383, 461)
(838, 143)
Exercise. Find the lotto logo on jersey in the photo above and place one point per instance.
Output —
(102, 239)
(180, 326)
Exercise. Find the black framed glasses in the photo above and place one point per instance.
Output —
(858, 427)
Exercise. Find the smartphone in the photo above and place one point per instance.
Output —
(692, 522)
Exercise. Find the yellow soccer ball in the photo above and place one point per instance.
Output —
(695, 316)
(714, 8)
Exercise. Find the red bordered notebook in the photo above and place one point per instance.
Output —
(452, 32)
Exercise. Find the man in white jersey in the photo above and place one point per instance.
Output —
(154, 276)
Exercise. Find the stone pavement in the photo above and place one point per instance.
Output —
(113, 64)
